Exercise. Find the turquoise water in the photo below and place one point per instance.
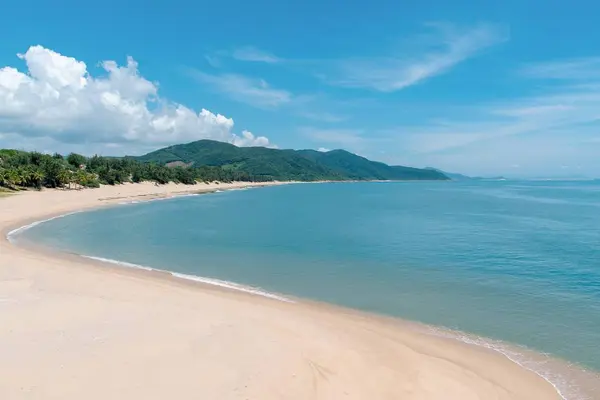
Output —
(517, 261)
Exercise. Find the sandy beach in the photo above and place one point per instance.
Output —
(77, 329)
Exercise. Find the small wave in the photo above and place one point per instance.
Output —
(158, 198)
(121, 263)
(232, 285)
(565, 390)
(176, 196)
(128, 202)
(10, 235)
(210, 281)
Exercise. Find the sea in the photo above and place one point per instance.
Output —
(514, 262)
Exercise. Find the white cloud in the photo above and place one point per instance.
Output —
(59, 99)
(59, 72)
(558, 125)
(526, 116)
(535, 109)
(323, 149)
(253, 54)
(255, 92)
(564, 107)
(539, 133)
(449, 47)
(49, 145)
(571, 69)
(248, 139)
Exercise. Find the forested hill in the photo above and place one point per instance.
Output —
(273, 164)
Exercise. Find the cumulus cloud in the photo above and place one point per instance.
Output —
(248, 139)
(58, 98)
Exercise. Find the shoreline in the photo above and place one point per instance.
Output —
(9, 228)
(521, 356)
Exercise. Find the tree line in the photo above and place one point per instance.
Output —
(21, 169)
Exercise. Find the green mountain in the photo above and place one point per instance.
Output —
(273, 164)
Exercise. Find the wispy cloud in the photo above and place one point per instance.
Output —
(540, 133)
(567, 111)
(533, 110)
(447, 47)
(556, 126)
(213, 61)
(572, 69)
(253, 54)
(566, 105)
(255, 92)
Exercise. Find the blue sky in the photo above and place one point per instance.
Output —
(488, 88)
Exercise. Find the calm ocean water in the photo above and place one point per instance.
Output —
(516, 261)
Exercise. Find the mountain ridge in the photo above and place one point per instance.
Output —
(275, 164)
(462, 177)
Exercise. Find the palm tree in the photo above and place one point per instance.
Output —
(35, 177)
(65, 177)
(81, 178)
(13, 177)
(3, 178)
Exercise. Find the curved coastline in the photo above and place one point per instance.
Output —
(493, 345)
(10, 229)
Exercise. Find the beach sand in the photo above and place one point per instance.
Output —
(72, 328)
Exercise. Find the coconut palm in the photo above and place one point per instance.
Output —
(14, 177)
(35, 177)
(65, 177)
(3, 179)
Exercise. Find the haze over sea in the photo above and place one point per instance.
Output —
(511, 260)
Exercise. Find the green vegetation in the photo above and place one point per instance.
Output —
(271, 164)
(23, 169)
(20, 169)
(204, 160)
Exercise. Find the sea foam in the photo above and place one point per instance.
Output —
(521, 356)
(210, 281)
(10, 236)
